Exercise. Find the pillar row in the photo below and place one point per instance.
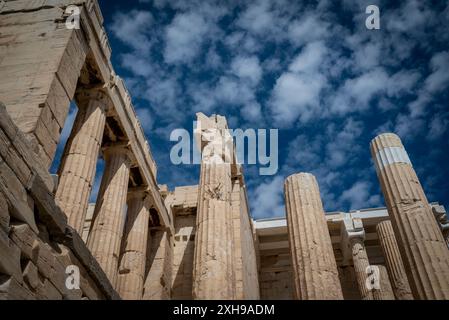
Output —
(78, 165)
(109, 216)
(314, 265)
(422, 246)
(393, 261)
(131, 270)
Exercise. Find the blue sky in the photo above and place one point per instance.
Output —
(308, 68)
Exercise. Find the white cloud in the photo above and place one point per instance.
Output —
(257, 18)
(412, 16)
(296, 93)
(146, 118)
(305, 152)
(439, 78)
(437, 126)
(296, 96)
(242, 42)
(213, 59)
(342, 145)
(310, 58)
(137, 64)
(136, 23)
(436, 82)
(358, 196)
(247, 68)
(384, 128)
(357, 93)
(184, 37)
(232, 91)
(269, 198)
(307, 29)
(402, 83)
(407, 126)
(252, 112)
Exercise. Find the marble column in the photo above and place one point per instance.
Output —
(422, 246)
(77, 169)
(109, 216)
(393, 261)
(314, 265)
(213, 268)
(131, 270)
(158, 280)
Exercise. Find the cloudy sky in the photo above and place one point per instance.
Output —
(308, 68)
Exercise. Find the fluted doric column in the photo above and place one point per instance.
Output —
(158, 281)
(384, 291)
(314, 265)
(422, 246)
(77, 169)
(213, 273)
(131, 270)
(107, 225)
(393, 261)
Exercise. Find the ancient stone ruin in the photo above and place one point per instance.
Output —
(142, 241)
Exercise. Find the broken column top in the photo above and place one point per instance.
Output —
(305, 177)
(215, 121)
(214, 139)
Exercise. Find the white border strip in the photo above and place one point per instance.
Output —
(390, 155)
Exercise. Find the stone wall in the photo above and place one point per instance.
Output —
(276, 275)
(183, 202)
(40, 63)
(36, 244)
(184, 244)
(44, 66)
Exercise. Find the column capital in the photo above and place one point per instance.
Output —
(441, 216)
(117, 148)
(138, 192)
(353, 228)
(352, 232)
(142, 192)
(214, 140)
(120, 147)
(98, 94)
